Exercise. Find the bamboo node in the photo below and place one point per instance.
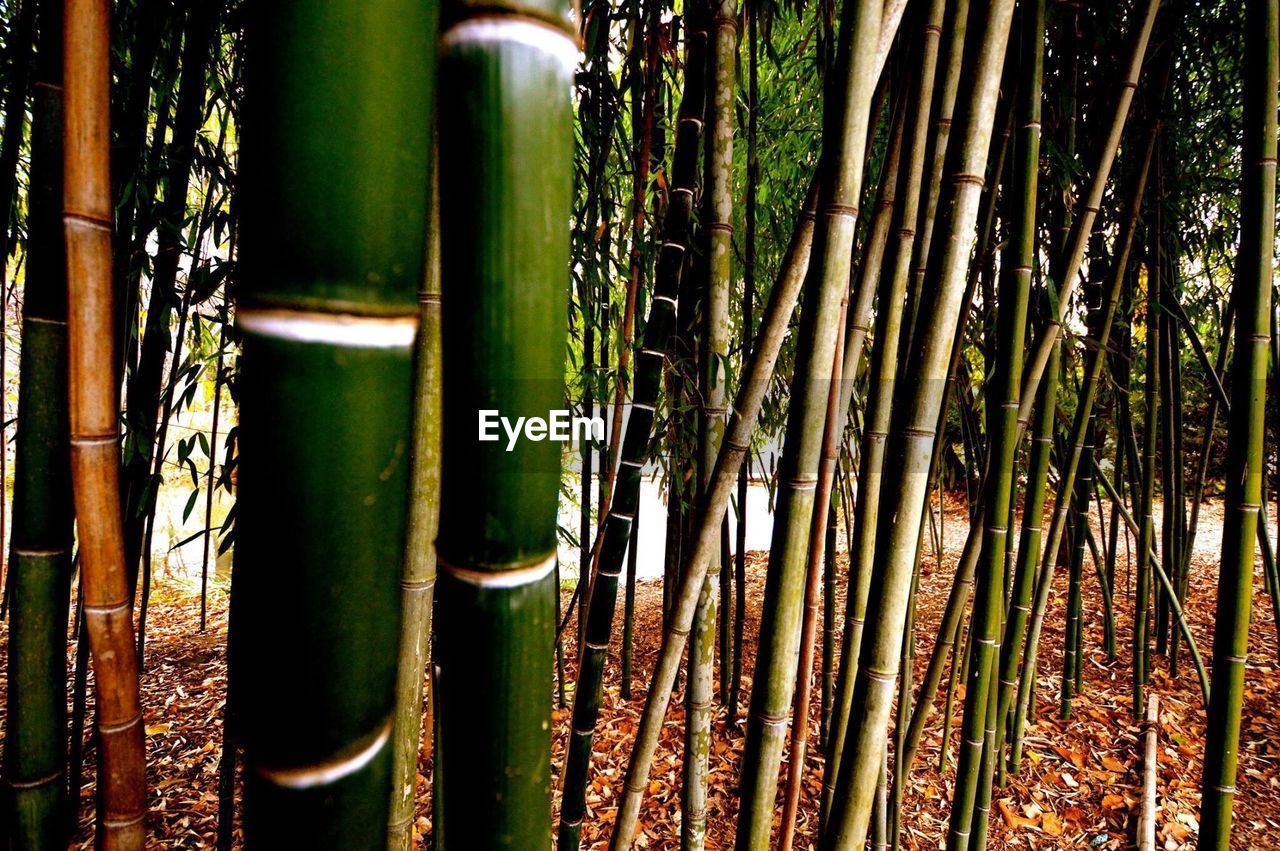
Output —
(336, 329)
(331, 770)
(514, 29)
(501, 578)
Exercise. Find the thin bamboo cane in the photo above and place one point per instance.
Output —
(1082, 225)
(417, 585)
(1079, 437)
(714, 351)
(748, 330)
(329, 319)
(87, 207)
(1163, 578)
(1245, 468)
(39, 580)
(973, 771)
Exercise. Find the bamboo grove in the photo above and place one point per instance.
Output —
(815, 279)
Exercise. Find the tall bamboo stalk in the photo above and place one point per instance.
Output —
(822, 318)
(714, 351)
(649, 373)
(884, 365)
(39, 581)
(506, 139)
(1070, 466)
(748, 331)
(1245, 467)
(1146, 534)
(909, 451)
(972, 770)
(417, 585)
(733, 449)
(328, 316)
(87, 208)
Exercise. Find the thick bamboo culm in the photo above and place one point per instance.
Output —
(506, 144)
(894, 281)
(329, 316)
(94, 423)
(39, 579)
(1246, 459)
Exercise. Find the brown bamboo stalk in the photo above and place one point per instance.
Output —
(94, 424)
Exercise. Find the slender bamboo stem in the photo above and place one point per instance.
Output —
(742, 421)
(87, 207)
(1245, 468)
(649, 373)
(417, 585)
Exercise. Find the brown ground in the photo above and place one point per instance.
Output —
(1079, 787)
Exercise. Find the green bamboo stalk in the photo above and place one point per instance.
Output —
(718, 191)
(1141, 648)
(39, 582)
(943, 107)
(329, 320)
(506, 139)
(1245, 467)
(821, 321)
(649, 373)
(973, 772)
(417, 585)
(889, 318)
(748, 330)
(742, 421)
(909, 452)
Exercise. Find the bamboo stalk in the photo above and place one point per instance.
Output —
(909, 452)
(417, 585)
(506, 138)
(821, 320)
(87, 207)
(1245, 468)
(625, 501)
(889, 320)
(38, 584)
(328, 316)
(1150, 768)
(742, 421)
(1082, 226)
(718, 189)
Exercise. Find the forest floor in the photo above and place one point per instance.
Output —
(1080, 785)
